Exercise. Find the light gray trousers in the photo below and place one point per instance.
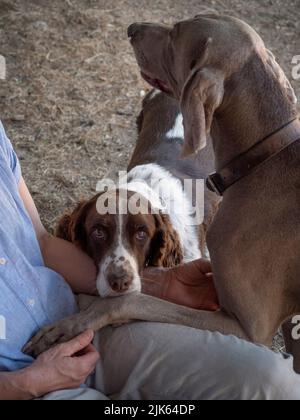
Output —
(146, 361)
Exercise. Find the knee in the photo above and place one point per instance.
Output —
(264, 375)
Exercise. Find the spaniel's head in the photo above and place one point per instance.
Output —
(122, 244)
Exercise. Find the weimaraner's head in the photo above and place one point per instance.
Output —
(193, 60)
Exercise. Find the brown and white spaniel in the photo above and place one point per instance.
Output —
(162, 232)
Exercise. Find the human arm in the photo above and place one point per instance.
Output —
(189, 285)
(59, 255)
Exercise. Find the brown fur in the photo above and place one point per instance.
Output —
(231, 86)
(164, 251)
(67, 227)
(157, 117)
(254, 240)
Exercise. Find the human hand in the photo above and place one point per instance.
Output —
(66, 366)
(188, 285)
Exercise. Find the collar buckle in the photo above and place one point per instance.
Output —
(215, 184)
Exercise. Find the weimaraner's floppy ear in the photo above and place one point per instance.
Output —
(202, 94)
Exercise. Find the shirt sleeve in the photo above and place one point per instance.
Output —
(9, 155)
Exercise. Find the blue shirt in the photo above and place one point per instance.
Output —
(31, 295)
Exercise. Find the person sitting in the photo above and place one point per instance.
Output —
(39, 275)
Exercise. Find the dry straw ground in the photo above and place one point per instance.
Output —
(72, 92)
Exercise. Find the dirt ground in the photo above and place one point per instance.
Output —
(73, 89)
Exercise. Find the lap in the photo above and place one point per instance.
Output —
(79, 394)
(159, 361)
(170, 362)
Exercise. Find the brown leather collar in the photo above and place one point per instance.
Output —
(261, 152)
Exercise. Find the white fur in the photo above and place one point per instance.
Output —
(119, 252)
(154, 94)
(171, 193)
(178, 130)
(164, 192)
(103, 286)
(145, 191)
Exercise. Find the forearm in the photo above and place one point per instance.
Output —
(73, 265)
(16, 386)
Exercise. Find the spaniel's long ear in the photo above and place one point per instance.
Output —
(71, 225)
(165, 250)
(202, 94)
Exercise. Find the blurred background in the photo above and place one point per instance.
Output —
(73, 89)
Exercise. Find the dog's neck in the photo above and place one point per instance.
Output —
(255, 106)
(177, 205)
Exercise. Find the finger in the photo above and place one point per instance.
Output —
(77, 344)
(192, 273)
(90, 348)
(204, 266)
(88, 361)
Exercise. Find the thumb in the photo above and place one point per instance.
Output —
(89, 357)
(204, 266)
(78, 343)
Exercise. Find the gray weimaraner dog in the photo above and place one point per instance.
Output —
(230, 86)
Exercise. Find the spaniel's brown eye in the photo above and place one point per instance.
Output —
(141, 235)
(100, 234)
